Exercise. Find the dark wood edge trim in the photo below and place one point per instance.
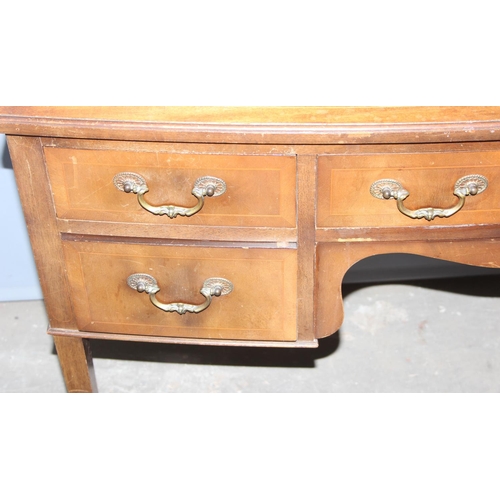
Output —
(274, 237)
(166, 242)
(283, 150)
(404, 233)
(284, 133)
(177, 340)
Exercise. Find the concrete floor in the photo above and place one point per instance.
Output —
(429, 336)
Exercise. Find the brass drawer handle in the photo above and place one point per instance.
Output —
(385, 189)
(130, 182)
(211, 287)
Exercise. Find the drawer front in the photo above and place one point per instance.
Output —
(259, 189)
(261, 305)
(345, 200)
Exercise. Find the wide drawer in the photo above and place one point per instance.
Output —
(261, 305)
(346, 187)
(259, 189)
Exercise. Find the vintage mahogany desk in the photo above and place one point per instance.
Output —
(235, 226)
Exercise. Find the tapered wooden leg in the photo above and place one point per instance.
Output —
(76, 363)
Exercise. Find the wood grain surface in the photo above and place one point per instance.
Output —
(38, 207)
(344, 182)
(334, 260)
(257, 125)
(297, 213)
(260, 190)
(75, 358)
(255, 114)
(262, 305)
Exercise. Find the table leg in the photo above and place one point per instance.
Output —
(76, 363)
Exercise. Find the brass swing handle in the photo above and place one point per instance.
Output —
(211, 287)
(386, 189)
(130, 182)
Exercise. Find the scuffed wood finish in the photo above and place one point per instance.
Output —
(306, 200)
(254, 115)
(297, 213)
(335, 259)
(262, 305)
(421, 233)
(76, 363)
(36, 199)
(258, 125)
(260, 190)
(263, 149)
(344, 181)
(272, 236)
(307, 344)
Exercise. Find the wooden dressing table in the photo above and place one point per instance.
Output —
(235, 226)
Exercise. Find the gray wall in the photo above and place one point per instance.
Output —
(19, 281)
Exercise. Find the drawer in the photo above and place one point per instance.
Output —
(345, 182)
(259, 189)
(261, 305)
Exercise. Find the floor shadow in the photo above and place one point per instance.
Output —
(477, 286)
(213, 355)
(482, 286)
